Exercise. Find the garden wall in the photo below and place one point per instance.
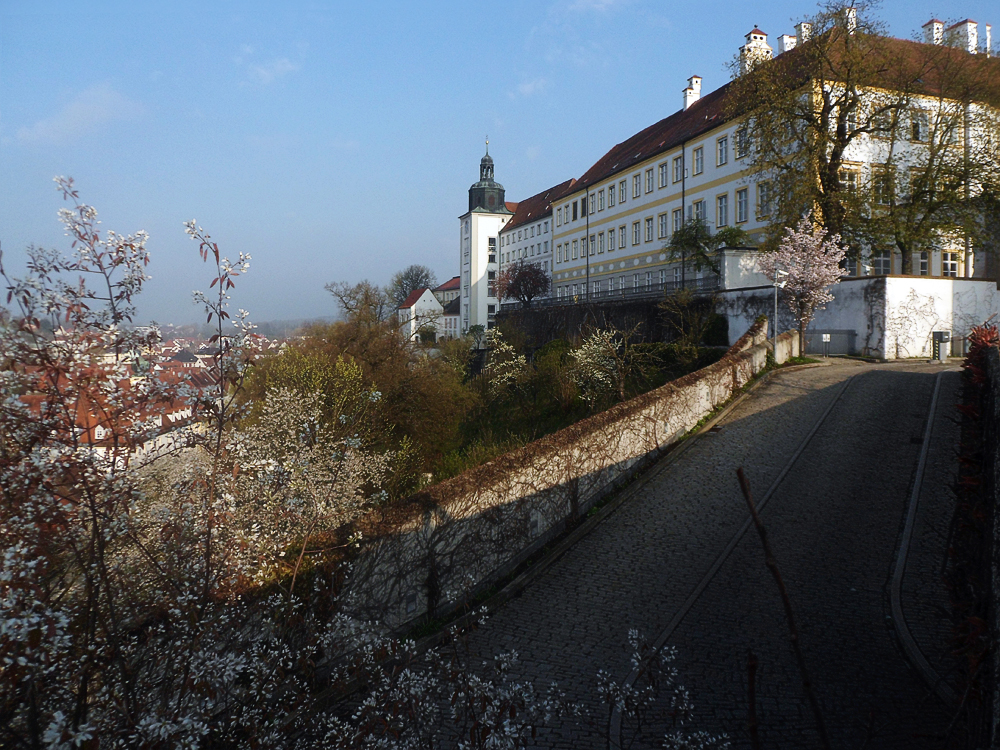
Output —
(888, 317)
(467, 533)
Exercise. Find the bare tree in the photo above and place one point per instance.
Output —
(806, 116)
(522, 281)
(365, 303)
(408, 280)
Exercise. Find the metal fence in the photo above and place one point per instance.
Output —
(650, 291)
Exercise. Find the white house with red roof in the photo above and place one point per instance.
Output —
(420, 311)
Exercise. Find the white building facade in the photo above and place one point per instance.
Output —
(529, 234)
(420, 311)
(611, 227)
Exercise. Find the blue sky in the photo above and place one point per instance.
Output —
(336, 141)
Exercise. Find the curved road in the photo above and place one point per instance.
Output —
(835, 524)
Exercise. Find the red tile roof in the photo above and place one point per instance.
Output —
(713, 109)
(537, 206)
(411, 300)
(511, 206)
(704, 115)
(450, 285)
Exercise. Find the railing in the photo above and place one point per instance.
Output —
(651, 291)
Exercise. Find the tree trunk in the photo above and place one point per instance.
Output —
(802, 339)
(907, 262)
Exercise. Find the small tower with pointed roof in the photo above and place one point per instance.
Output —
(478, 254)
(487, 194)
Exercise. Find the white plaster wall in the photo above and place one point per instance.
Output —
(425, 311)
(645, 256)
(891, 316)
(516, 244)
(476, 304)
(738, 269)
(917, 306)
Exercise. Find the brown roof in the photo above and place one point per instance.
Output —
(537, 206)
(451, 284)
(511, 206)
(704, 115)
(411, 300)
(454, 307)
(711, 110)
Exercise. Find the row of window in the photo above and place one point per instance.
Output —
(528, 233)
(880, 263)
(882, 182)
(526, 252)
(644, 181)
(642, 231)
(621, 283)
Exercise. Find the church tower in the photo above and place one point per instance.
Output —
(487, 194)
(478, 252)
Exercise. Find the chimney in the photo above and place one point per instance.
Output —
(756, 50)
(849, 17)
(693, 91)
(964, 34)
(803, 31)
(786, 42)
(988, 39)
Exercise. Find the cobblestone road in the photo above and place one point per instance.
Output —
(834, 522)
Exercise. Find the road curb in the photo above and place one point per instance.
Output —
(908, 642)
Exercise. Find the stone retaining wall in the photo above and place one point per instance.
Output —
(786, 347)
(467, 533)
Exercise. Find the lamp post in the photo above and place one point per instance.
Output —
(778, 284)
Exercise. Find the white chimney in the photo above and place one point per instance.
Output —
(693, 91)
(933, 32)
(786, 42)
(964, 34)
(803, 31)
(849, 17)
(988, 38)
(756, 50)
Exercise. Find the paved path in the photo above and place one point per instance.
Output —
(834, 522)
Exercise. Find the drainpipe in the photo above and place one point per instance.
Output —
(683, 211)
(587, 203)
(966, 146)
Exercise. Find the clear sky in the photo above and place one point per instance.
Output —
(336, 141)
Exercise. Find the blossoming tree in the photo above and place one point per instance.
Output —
(168, 604)
(812, 261)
